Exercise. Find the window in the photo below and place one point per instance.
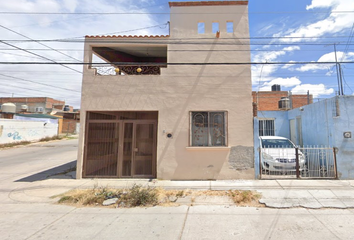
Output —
(229, 27)
(215, 27)
(39, 109)
(208, 129)
(266, 127)
(201, 28)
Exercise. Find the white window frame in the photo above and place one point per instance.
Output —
(210, 139)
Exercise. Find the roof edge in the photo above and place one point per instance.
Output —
(207, 3)
(128, 36)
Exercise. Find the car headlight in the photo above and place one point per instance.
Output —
(266, 156)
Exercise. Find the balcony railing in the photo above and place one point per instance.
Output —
(128, 70)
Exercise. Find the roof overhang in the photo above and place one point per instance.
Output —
(207, 3)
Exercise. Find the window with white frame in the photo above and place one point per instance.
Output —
(266, 127)
(208, 129)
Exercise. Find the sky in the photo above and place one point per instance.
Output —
(303, 31)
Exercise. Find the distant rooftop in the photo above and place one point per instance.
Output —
(129, 36)
(207, 3)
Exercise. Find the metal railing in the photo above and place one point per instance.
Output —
(298, 163)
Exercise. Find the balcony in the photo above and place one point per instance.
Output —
(129, 60)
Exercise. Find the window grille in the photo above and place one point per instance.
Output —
(266, 128)
(208, 129)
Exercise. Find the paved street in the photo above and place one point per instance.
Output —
(21, 161)
(29, 178)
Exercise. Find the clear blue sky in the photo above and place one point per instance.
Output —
(281, 31)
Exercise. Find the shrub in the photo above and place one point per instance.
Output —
(138, 195)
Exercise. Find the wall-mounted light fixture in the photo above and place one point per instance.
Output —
(347, 134)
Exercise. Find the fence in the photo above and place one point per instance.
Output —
(308, 162)
(14, 130)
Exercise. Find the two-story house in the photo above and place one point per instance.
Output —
(173, 107)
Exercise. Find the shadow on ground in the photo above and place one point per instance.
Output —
(58, 171)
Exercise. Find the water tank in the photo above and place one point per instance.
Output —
(24, 108)
(275, 88)
(284, 103)
(66, 108)
(8, 108)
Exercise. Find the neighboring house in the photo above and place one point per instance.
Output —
(328, 122)
(277, 100)
(34, 104)
(174, 107)
(70, 122)
(28, 127)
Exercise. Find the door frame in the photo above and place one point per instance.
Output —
(121, 146)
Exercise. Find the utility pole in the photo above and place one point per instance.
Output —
(339, 73)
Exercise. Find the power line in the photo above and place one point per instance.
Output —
(44, 84)
(175, 63)
(125, 31)
(39, 43)
(37, 55)
(168, 13)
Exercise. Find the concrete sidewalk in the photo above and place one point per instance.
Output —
(275, 193)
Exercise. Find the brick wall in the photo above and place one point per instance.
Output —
(268, 100)
(32, 102)
(69, 126)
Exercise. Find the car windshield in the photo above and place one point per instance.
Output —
(277, 143)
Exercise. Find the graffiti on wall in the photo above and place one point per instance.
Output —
(33, 133)
(14, 135)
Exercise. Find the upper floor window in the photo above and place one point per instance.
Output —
(215, 27)
(201, 27)
(229, 27)
(208, 129)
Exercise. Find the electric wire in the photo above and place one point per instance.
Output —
(171, 63)
(40, 43)
(44, 84)
(37, 55)
(170, 13)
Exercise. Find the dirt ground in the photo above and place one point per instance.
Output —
(149, 196)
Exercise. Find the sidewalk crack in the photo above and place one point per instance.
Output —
(184, 224)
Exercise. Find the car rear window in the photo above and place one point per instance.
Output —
(277, 143)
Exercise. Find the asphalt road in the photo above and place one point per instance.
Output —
(23, 161)
(27, 210)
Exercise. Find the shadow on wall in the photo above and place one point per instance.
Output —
(59, 171)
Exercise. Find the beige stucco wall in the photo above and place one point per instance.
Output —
(184, 88)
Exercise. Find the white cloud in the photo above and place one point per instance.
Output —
(321, 4)
(334, 23)
(60, 27)
(289, 66)
(70, 5)
(315, 89)
(328, 57)
(262, 73)
(284, 82)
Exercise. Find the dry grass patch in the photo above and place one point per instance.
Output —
(138, 195)
(9, 145)
(245, 198)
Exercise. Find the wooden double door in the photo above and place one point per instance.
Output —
(120, 148)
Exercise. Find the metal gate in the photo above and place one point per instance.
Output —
(310, 162)
(120, 148)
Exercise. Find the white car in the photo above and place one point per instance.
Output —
(278, 154)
